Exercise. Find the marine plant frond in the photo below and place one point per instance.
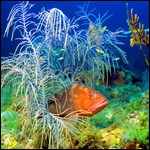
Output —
(83, 12)
(71, 123)
(23, 21)
(19, 18)
(53, 23)
(103, 18)
(54, 126)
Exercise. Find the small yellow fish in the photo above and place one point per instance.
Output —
(99, 50)
(54, 51)
(56, 54)
(106, 55)
(42, 57)
(62, 49)
(104, 28)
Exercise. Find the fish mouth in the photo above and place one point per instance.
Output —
(95, 108)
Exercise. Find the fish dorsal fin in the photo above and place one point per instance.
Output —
(72, 92)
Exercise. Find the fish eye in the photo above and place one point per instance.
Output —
(92, 95)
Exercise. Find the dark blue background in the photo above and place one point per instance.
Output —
(117, 8)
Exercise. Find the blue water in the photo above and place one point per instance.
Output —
(118, 9)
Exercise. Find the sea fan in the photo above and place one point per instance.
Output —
(101, 45)
(51, 52)
(34, 73)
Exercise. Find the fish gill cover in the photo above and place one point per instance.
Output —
(51, 54)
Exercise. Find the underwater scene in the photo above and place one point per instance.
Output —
(75, 75)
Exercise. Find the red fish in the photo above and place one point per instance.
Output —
(79, 99)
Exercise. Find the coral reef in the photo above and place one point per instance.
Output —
(53, 55)
(123, 124)
(118, 77)
(9, 129)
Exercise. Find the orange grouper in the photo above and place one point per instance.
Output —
(78, 99)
